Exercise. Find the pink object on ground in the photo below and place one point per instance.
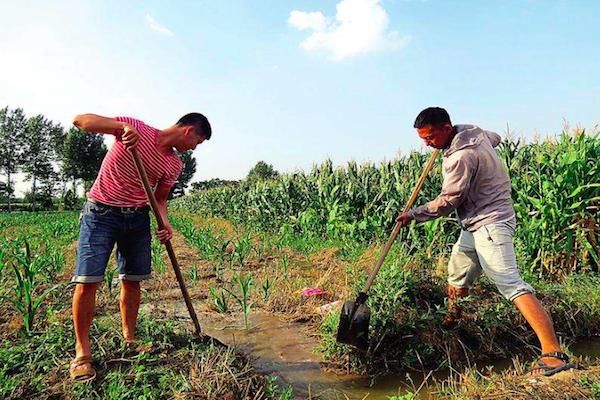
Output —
(312, 292)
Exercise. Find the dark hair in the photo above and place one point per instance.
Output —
(199, 122)
(432, 116)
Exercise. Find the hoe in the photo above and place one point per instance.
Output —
(353, 328)
(159, 221)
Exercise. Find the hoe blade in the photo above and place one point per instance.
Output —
(353, 328)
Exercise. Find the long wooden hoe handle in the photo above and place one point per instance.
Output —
(408, 206)
(161, 224)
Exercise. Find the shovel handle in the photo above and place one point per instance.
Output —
(408, 206)
(139, 165)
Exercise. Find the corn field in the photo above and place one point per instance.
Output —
(556, 194)
(31, 261)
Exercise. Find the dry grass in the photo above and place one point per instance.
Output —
(218, 224)
(514, 384)
(322, 269)
(212, 377)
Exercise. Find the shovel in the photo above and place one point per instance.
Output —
(161, 224)
(353, 328)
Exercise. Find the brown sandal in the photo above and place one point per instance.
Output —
(81, 369)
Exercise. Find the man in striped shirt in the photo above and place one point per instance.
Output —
(116, 211)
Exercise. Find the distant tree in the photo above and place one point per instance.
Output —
(260, 172)
(211, 184)
(49, 189)
(188, 171)
(41, 200)
(39, 156)
(70, 200)
(57, 142)
(82, 155)
(12, 131)
(5, 192)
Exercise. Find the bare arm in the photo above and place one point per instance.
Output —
(161, 194)
(99, 124)
(96, 123)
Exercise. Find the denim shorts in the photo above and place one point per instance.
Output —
(489, 249)
(100, 228)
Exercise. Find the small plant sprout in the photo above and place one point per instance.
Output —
(284, 264)
(242, 251)
(225, 253)
(26, 297)
(193, 273)
(266, 288)
(157, 261)
(109, 279)
(244, 284)
(220, 298)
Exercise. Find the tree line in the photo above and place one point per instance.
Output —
(261, 171)
(55, 161)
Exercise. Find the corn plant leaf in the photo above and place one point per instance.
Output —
(584, 187)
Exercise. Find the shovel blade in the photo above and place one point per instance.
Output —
(353, 328)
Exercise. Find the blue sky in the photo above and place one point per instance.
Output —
(295, 82)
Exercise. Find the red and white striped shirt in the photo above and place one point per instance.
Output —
(118, 183)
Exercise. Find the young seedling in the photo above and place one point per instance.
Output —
(157, 260)
(266, 288)
(284, 264)
(193, 273)
(204, 242)
(109, 279)
(244, 284)
(220, 298)
(25, 298)
(242, 250)
(226, 254)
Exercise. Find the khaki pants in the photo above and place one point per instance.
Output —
(489, 249)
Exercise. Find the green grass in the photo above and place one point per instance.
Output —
(34, 361)
(171, 363)
(407, 308)
(408, 302)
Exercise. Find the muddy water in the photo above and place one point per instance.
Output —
(286, 350)
(589, 347)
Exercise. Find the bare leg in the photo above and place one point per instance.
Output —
(84, 305)
(540, 322)
(130, 305)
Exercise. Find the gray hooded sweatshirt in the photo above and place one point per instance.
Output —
(475, 182)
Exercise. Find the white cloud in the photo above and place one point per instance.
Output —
(360, 26)
(308, 20)
(155, 26)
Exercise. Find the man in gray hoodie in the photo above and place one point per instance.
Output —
(478, 188)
